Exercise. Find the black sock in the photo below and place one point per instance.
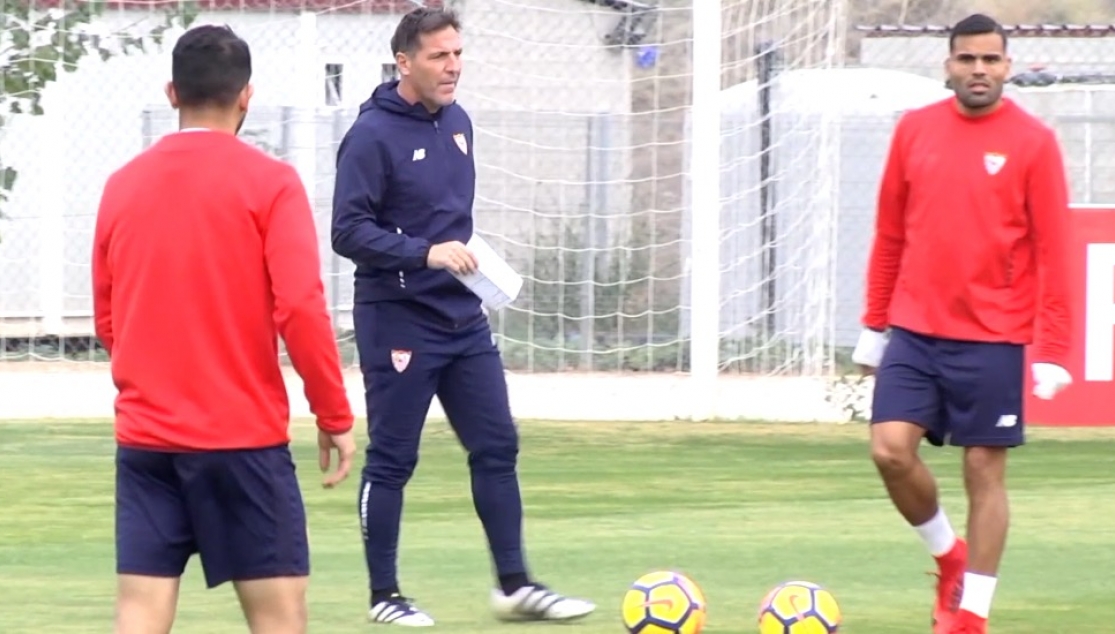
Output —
(383, 594)
(511, 583)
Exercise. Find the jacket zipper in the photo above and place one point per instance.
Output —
(402, 276)
(399, 230)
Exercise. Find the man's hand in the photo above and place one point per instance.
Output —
(869, 350)
(1049, 379)
(452, 256)
(346, 450)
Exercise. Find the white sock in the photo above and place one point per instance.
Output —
(978, 591)
(937, 534)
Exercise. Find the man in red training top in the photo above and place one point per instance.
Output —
(205, 250)
(973, 212)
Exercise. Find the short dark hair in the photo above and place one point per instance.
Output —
(976, 24)
(210, 66)
(419, 22)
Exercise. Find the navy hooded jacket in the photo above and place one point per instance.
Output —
(405, 181)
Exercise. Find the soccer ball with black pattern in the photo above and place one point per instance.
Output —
(664, 602)
(799, 607)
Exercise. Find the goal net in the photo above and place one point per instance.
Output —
(586, 157)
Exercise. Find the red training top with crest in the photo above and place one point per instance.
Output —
(205, 250)
(972, 211)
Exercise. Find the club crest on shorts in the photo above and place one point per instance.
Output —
(993, 162)
(462, 142)
(400, 359)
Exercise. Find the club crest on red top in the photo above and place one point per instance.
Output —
(993, 162)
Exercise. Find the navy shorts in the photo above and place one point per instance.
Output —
(240, 511)
(964, 393)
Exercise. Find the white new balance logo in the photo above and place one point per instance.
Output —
(1007, 420)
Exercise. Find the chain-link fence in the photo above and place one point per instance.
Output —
(583, 147)
(580, 110)
(586, 158)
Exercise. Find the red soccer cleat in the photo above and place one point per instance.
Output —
(965, 622)
(950, 586)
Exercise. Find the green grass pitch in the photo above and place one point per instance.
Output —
(737, 506)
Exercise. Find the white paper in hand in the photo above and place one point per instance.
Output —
(494, 282)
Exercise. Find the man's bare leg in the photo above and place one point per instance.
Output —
(913, 490)
(145, 605)
(988, 523)
(275, 606)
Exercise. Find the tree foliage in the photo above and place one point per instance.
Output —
(37, 45)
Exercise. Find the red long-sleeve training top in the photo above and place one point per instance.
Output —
(204, 252)
(972, 213)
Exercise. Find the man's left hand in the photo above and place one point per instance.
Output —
(345, 446)
(1049, 379)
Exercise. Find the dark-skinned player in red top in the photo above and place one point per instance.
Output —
(972, 213)
(204, 254)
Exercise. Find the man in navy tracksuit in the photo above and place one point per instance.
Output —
(402, 211)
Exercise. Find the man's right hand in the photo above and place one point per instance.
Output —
(345, 445)
(453, 257)
(868, 354)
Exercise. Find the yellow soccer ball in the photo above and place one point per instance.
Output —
(799, 607)
(664, 602)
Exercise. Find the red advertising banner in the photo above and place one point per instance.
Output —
(1090, 400)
